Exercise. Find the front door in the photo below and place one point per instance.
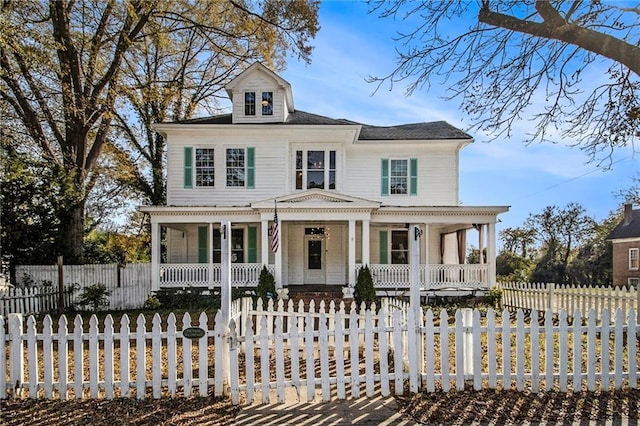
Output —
(314, 259)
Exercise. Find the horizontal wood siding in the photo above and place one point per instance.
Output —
(258, 85)
(295, 249)
(437, 173)
(271, 149)
(337, 255)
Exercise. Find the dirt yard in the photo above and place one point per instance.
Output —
(459, 408)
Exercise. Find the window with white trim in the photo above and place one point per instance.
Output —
(634, 259)
(635, 282)
(249, 103)
(400, 247)
(315, 169)
(398, 176)
(267, 103)
(205, 169)
(235, 167)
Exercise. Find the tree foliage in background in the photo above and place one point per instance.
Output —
(580, 60)
(68, 68)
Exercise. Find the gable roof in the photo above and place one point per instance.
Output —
(624, 229)
(259, 67)
(436, 130)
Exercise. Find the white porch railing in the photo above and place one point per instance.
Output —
(197, 274)
(440, 276)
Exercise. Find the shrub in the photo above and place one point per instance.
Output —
(96, 296)
(152, 303)
(365, 291)
(188, 298)
(266, 287)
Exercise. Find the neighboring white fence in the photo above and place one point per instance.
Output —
(540, 296)
(130, 286)
(347, 355)
(32, 300)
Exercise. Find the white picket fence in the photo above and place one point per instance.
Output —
(542, 296)
(346, 353)
(130, 286)
(32, 300)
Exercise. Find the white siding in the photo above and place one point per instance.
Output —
(261, 83)
(295, 253)
(437, 173)
(337, 254)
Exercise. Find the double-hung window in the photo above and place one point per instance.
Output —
(399, 176)
(201, 165)
(267, 103)
(240, 167)
(634, 259)
(205, 168)
(315, 169)
(249, 103)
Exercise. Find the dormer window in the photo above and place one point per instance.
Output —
(249, 103)
(267, 103)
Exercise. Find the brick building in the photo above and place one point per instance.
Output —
(626, 249)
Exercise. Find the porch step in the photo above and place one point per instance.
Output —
(317, 295)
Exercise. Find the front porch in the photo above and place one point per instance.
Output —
(385, 276)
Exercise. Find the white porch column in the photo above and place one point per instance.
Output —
(210, 254)
(155, 255)
(366, 249)
(414, 268)
(491, 254)
(481, 242)
(278, 274)
(225, 296)
(264, 227)
(426, 284)
(352, 253)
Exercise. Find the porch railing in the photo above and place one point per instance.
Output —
(197, 274)
(440, 276)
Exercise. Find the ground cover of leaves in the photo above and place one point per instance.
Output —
(503, 407)
(121, 411)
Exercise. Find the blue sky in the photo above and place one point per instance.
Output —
(352, 45)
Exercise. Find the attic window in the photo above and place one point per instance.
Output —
(249, 103)
(267, 103)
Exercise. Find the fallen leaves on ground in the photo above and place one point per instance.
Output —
(511, 407)
(121, 411)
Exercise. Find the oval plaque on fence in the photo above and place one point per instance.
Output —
(193, 333)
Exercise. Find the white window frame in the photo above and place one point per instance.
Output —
(245, 104)
(634, 259)
(209, 168)
(398, 253)
(635, 282)
(227, 167)
(406, 177)
(327, 169)
(266, 105)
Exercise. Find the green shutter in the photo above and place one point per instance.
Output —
(413, 176)
(202, 244)
(251, 168)
(188, 167)
(384, 247)
(385, 176)
(252, 252)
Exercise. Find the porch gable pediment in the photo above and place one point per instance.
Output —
(316, 198)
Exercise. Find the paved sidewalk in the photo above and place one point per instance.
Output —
(378, 410)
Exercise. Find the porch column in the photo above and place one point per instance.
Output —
(352, 253)
(155, 255)
(278, 274)
(491, 254)
(415, 235)
(366, 254)
(210, 254)
(426, 280)
(265, 241)
(481, 242)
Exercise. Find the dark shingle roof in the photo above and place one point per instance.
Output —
(630, 230)
(416, 131)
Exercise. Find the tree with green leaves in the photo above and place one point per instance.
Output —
(64, 81)
(560, 232)
(580, 59)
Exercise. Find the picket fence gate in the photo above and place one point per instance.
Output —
(543, 296)
(346, 351)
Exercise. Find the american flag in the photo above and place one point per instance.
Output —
(274, 230)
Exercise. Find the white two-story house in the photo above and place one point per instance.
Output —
(346, 194)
